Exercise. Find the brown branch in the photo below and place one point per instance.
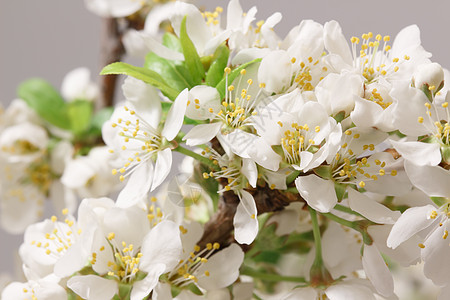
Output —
(111, 51)
(220, 227)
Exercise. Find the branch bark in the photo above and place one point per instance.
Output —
(111, 51)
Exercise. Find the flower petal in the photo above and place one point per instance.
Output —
(142, 288)
(318, 193)
(419, 153)
(410, 222)
(93, 287)
(436, 256)
(335, 41)
(371, 209)
(223, 268)
(162, 167)
(245, 220)
(432, 180)
(201, 134)
(137, 186)
(175, 116)
(161, 246)
(377, 271)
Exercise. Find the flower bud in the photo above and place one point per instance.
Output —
(431, 75)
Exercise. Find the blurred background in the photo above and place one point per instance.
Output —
(48, 38)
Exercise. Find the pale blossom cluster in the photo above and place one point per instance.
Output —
(326, 159)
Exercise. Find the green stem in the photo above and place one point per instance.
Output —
(319, 274)
(269, 277)
(291, 177)
(196, 156)
(316, 233)
(292, 190)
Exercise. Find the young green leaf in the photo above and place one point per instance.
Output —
(171, 41)
(191, 57)
(340, 190)
(176, 76)
(144, 74)
(79, 113)
(45, 100)
(222, 85)
(216, 70)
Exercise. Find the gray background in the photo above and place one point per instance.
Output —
(48, 38)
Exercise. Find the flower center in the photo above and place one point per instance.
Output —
(348, 169)
(126, 260)
(146, 142)
(371, 61)
(60, 238)
(21, 147)
(297, 140)
(187, 270)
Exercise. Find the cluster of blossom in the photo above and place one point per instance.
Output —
(352, 137)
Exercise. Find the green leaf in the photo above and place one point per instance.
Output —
(439, 201)
(171, 41)
(340, 190)
(339, 116)
(222, 85)
(323, 171)
(176, 76)
(79, 113)
(194, 289)
(191, 57)
(100, 118)
(445, 152)
(45, 101)
(216, 70)
(144, 74)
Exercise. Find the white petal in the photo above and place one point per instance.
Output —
(72, 261)
(318, 193)
(137, 186)
(419, 153)
(432, 180)
(160, 49)
(175, 116)
(196, 27)
(143, 287)
(262, 154)
(436, 256)
(202, 98)
(77, 173)
(250, 171)
(162, 167)
(335, 41)
(116, 9)
(239, 142)
(145, 100)
(162, 291)
(128, 224)
(410, 222)
(377, 271)
(249, 54)
(275, 71)
(245, 220)
(201, 134)
(93, 287)
(349, 290)
(161, 246)
(306, 293)
(371, 209)
(223, 268)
